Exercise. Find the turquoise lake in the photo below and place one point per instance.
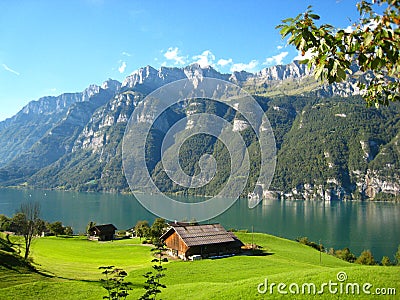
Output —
(357, 225)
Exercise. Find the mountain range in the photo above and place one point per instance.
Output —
(329, 144)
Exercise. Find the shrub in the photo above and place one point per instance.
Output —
(114, 283)
(68, 230)
(142, 229)
(397, 256)
(366, 258)
(386, 261)
(345, 254)
(152, 284)
(304, 240)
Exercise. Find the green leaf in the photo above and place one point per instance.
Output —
(333, 69)
(375, 63)
(304, 61)
(379, 52)
(314, 16)
(287, 20)
(341, 74)
(368, 38)
(285, 30)
(362, 59)
(318, 71)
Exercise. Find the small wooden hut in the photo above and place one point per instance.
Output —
(104, 232)
(211, 240)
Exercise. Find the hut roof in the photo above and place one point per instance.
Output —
(104, 228)
(195, 235)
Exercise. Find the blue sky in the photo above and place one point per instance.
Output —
(51, 47)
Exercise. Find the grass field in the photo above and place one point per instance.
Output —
(71, 265)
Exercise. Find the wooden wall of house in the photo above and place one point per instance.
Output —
(213, 249)
(175, 242)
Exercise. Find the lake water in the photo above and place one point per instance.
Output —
(357, 225)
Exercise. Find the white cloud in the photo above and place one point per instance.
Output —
(307, 55)
(349, 29)
(205, 59)
(172, 54)
(372, 24)
(122, 68)
(126, 53)
(279, 47)
(276, 59)
(250, 67)
(223, 62)
(7, 68)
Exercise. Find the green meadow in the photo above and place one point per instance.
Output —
(68, 269)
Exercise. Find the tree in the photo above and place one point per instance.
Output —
(304, 240)
(27, 221)
(345, 254)
(5, 223)
(152, 283)
(68, 230)
(114, 283)
(372, 43)
(90, 225)
(16, 221)
(386, 261)
(366, 258)
(57, 228)
(397, 256)
(157, 229)
(142, 229)
(41, 226)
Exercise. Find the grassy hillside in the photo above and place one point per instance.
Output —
(14, 271)
(74, 264)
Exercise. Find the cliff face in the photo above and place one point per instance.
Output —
(337, 149)
(330, 146)
(19, 133)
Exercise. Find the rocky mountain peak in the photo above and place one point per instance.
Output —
(170, 74)
(195, 70)
(149, 76)
(240, 76)
(90, 91)
(111, 84)
(140, 76)
(282, 72)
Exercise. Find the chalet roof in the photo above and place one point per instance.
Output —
(176, 223)
(104, 228)
(195, 235)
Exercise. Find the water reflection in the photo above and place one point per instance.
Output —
(357, 225)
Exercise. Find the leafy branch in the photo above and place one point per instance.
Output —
(114, 283)
(372, 43)
(152, 284)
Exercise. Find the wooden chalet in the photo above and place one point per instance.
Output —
(104, 232)
(185, 240)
